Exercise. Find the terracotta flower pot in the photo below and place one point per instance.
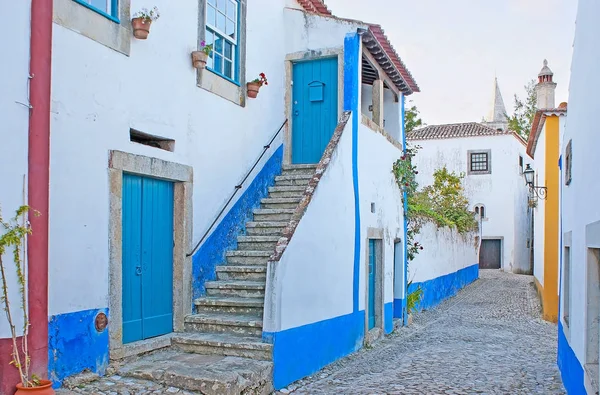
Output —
(45, 388)
(199, 59)
(141, 27)
(252, 88)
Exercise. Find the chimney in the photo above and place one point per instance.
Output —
(545, 88)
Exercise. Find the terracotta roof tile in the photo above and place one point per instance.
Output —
(538, 123)
(469, 129)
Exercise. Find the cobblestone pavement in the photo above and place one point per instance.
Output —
(489, 339)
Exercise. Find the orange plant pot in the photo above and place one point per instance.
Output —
(252, 88)
(44, 389)
(199, 59)
(141, 27)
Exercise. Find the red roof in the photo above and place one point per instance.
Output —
(538, 123)
(319, 7)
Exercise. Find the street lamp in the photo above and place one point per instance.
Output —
(529, 174)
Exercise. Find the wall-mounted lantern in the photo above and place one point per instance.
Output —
(529, 174)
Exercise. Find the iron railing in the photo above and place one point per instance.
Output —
(238, 187)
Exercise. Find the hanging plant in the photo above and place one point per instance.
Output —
(199, 58)
(142, 20)
(254, 86)
(14, 237)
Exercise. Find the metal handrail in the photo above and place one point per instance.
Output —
(238, 187)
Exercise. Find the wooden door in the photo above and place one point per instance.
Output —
(490, 254)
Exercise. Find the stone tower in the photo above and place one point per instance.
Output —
(545, 88)
(496, 119)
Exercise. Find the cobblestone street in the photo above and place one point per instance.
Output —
(488, 339)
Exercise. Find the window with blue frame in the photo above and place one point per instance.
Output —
(222, 31)
(108, 8)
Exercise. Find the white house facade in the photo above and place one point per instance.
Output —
(578, 330)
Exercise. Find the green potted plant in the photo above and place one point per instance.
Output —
(13, 237)
(142, 20)
(253, 86)
(199, 58)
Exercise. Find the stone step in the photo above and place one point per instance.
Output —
(265, 228)
(280, 202)
(222, 304)
(299, 169)
(245, 257)
(270, 214)
(257, 243)
(287, 191)
(203, 374)
(224, 323)
(246, 272)
(223, 344)
(243, 289)
(293, 179)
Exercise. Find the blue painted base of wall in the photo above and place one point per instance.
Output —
(399, 308)
(443, 287)
(388, 318)
(301, 351)
(233, 224)
(74, 345)
(571, 371)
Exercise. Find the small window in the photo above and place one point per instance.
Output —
(568, 163)
(222, 33)
(521, 164)
(479, 162)
(163, 143)
(480, 211)
(106, 7)
(567, 285)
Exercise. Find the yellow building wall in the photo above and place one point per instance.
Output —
(551, 223)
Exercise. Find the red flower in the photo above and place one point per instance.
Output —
(406, 184)
(402, 157)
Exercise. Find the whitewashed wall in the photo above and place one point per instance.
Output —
(539, 211)
(377, 184)
(496, 191)
(320, 253)
(14, 87)
(445, 251)
(99, 94)
(580, 209)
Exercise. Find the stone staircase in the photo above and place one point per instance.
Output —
(227, 322)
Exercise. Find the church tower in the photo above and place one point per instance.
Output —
(496, 118)
(545, 88)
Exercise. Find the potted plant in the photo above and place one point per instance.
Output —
(254, 85)
(12, 239)
(142, 20)
(200, 57)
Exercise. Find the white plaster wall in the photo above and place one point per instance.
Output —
(579, 199)
(366, 99)
(392, 114)
(496, 191)
(444, 251)
(320, 253)
(539, 216)
(14, 71)
(99, 94)
(376, 156)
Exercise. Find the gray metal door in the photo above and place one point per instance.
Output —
(490, 253)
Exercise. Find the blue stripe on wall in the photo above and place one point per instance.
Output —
(399, 305)
(351, 99)
(233, 224)
(571, 370)
(388, 317)
(74, 345)
(443, 287)
(404, 312)
(301, 351)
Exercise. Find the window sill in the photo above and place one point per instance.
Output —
(478, 173)
(221, 86)
(104, 14)
(223, 76)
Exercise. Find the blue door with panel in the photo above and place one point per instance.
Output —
(371, 288)
(314, 108)
(147, 257)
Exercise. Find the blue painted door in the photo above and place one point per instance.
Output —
(147, 257)
(314, 108)
(372, 274)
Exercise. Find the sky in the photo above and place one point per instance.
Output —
(454, 49)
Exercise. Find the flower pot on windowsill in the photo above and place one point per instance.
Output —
(253, 88)
(141, 27)
(45, 388)
(199, 59)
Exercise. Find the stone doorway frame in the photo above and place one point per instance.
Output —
(182, 176)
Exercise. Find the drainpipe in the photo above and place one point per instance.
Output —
(405, 222)
(39, 181)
